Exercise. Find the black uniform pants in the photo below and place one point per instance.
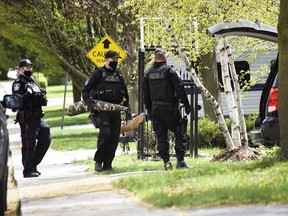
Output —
(36, 139)
(108, 137)
(166, 118)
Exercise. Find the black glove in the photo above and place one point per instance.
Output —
(187, 109)
(128, 114)
(43, 91)
(44, 101)
(90, 104)
(149, 117)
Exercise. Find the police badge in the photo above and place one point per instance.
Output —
(16, 86)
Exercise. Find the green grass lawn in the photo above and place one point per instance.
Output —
(74, 139)
(58, 91)
(209, 183)
(53, 117)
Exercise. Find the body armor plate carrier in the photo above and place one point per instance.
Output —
(160, 87)
(111, 88)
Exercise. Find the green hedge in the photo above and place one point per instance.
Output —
(40, 79)
(209, 134)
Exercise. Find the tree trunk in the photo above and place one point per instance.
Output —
(76, 92)
(283, 76)
(233, 112)
(242, 124)
(209, 75)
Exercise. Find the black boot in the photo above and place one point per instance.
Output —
(168, 165)
(30, 174)
(107, 167)
(36, 170)
(181, 164)
(98, 166)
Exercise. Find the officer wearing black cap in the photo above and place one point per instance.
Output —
(106, 83)
(162, 89)
(35, 133)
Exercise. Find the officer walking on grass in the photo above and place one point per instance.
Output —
(106, 84)
(162, 88)
(35, 133)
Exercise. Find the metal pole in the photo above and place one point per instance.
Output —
(192, 117)
(196, 121)
(140, 140)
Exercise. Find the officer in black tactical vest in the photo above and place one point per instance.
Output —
(30, 118)
(163, 89)
(106, 84)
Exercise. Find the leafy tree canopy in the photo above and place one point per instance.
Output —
(19, 39)
(191, 18)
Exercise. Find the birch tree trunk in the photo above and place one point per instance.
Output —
(218, 112)
(233, 112)
(242, 124)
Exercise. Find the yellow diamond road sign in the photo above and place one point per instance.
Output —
(97, 53)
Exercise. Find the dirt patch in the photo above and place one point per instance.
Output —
(13, 202)
(238, 154)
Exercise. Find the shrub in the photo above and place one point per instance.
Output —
(40, 79)
(209, 134)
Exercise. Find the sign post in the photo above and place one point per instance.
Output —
(97, 53)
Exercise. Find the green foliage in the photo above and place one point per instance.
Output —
(270, 152)
(40, 79)
(21, 36)
(250, 121)
(209, 134)
(190, 23)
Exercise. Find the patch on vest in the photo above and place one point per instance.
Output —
(111, 79)
(157, 76)
(16, 86)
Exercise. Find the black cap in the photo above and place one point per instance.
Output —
(111, 54)
(25, 62)
(160, 52)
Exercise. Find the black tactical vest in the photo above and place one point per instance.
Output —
(110, 88)
(160, 87)
(38, 98)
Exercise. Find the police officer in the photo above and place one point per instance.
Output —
(106, 83)
(30, 118)
(162, 89)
